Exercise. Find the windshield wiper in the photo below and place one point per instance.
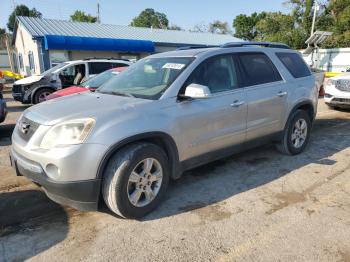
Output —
(116, 93)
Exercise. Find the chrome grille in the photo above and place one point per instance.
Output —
(17, 89)
(26, 128)
(343, 85)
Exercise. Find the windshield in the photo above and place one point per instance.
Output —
(53, 69)
(100, 79)
(148, 78)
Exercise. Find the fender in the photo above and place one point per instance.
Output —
(160, 138)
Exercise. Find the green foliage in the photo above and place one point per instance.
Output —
(175, 27)
(2, 31)
(150, 18)
(21, 10)
(246, 25)
(294, 28)
(80, 16)
(218, 27)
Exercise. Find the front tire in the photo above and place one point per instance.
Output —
(41, 94)
(296, 135)
(135, 180)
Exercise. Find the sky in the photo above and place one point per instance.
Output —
(185, 14)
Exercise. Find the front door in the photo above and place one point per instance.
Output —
(218, 121)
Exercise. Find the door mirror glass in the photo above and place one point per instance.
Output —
(197, 91)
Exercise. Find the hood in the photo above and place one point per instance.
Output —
(82, 105)
(345, 76)
(28, 80)
(67, 91)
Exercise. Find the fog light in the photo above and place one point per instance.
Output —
(52, 171)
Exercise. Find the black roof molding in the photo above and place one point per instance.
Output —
(262, 44)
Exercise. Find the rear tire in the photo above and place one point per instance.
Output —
(296, 135)
(135, 180)
(41, 94)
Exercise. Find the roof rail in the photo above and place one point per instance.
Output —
(262, 44)
(105, 58)
(195, 47)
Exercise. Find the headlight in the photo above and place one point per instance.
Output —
(330, 82)
(71, 132)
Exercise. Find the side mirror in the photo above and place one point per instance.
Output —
(196, 91)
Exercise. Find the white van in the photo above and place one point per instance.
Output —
(34, 89)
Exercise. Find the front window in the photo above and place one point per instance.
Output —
(53, 69)
(148, 78)
(100, 79)
(72, 75)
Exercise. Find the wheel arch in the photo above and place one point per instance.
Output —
(36, 89)
(306, 106)
(163, 140)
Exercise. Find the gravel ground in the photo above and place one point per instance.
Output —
(255, 206)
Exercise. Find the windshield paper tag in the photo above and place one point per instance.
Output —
(173, 66)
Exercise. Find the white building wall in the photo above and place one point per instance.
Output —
(332, 60)
(24, 45)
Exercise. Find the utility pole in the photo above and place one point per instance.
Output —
(98, 13)
(316, 8)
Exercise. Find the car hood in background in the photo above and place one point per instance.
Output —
(28, 80)
(82, 105)
(67, 91)
(345, 76)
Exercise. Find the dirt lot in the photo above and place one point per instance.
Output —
(255, 206)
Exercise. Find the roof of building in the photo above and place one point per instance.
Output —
(39, 27)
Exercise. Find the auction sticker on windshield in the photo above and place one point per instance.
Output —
(174, 66)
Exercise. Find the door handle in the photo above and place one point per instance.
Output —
(282, 94)
(237, 103)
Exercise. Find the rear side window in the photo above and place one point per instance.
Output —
(258, 69)
(98, 67)
(295, 64)
(114, 65)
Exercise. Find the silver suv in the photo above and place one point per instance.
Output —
(167, 113)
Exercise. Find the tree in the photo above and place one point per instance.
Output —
(21, 10)
(278, 27)
(150, 18)
(2, 31)
(200, 28)
(245, 26)
(80, 16)
(218, 27)
(175, 27)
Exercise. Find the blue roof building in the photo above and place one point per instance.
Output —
(41, 43)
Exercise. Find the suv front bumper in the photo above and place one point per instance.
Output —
(336, 97)
(82, 195)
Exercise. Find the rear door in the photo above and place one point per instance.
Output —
(218, 121)
(266, 94)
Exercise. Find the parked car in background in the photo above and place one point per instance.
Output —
(320, 77)
(3, 108)
(168, 113)
(2, 82)
(337, 91)
(89, 85)
(35, 89)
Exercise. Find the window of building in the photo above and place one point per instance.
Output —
(295, 64)
(31, 61)
(258, 69)
(20, 61)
